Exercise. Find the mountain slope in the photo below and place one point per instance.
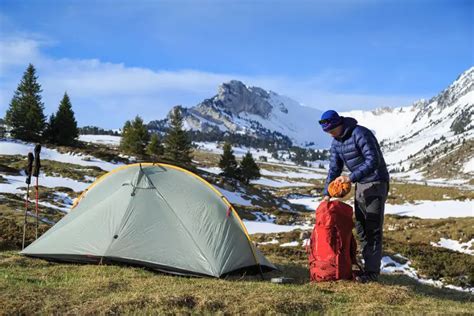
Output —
(253, 111)
(428, 135)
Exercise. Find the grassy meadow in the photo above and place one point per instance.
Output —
(29, 286)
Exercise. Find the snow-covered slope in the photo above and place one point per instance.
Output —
(101, 139)
(16, 147)
(427, 130)
(253, 111)
(386, 123)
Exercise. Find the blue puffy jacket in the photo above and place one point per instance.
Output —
(359, 150)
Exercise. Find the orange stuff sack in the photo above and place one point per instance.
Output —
(339, 189)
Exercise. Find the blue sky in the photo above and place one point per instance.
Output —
(117, 59)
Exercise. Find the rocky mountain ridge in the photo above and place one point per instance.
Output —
(253, 111)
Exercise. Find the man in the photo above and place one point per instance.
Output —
(356, 147)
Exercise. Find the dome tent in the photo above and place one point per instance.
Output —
(155, 215)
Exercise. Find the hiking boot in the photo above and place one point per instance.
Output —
(357, 273)
(367, 277)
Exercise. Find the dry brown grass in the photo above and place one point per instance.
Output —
(37, 286)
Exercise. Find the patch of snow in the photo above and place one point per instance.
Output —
(213, 170)
(290, 244)
(311, 203)
(234, 197)
(455, 245)
(262, 217)
(16, 182)
(417, 178)
(63, 198)
(13, 147)
(271, 242)
(12, 186)
(287, 207)
(64, 209)
(469, 166)
(422, 209)
(101, 139)
(433, 209)
(279, 183)
(90, 179)
(390, 266)
(254, 227)
(293, 175)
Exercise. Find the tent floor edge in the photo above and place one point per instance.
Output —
(102, 260)
(249, 270)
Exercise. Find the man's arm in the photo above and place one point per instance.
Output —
(335, 169)
(367, 143)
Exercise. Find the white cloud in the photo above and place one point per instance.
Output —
(107, 94)
(15, 52)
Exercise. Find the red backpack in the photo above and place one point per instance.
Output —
(332, 247)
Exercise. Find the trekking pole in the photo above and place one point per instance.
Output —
(29, 168)
(36, 171)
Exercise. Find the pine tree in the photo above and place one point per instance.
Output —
(25, 115)
(249, 169)
(62, 127)
(227, 163)
(50, 131)
(155, 148)
(178, 147)
(135, 137)
(125, 140)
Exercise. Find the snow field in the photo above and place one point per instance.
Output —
(254, 227)
(278, 183)
(101, 139)
(454, 245)
(421, 209)
(11, 147)
(16, 182)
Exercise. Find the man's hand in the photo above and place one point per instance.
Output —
(327, 198)
(343, 179)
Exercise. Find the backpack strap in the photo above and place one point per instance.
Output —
(309, 247)
(338, 251)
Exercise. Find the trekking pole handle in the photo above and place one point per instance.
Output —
(29, 168)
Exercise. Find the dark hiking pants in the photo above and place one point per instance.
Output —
(369, 212)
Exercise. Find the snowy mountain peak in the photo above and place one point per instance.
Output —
(449, 96)
(254, 112)
(236, 97)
